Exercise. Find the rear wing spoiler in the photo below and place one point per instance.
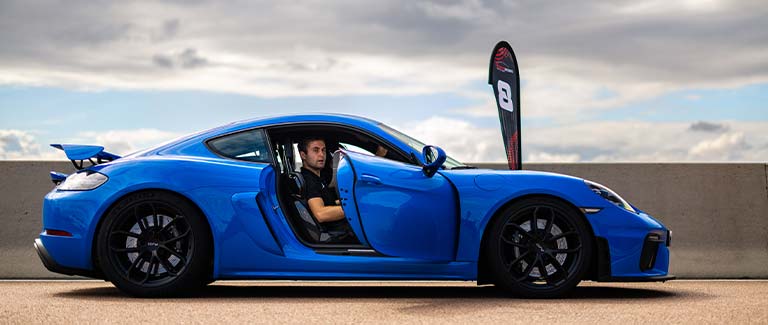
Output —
(78, 154)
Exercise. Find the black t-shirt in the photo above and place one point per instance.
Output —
(317, 186)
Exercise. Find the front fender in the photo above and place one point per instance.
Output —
(484, 192)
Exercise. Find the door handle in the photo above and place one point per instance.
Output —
(370, 179)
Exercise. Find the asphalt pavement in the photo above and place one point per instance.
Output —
(680, 301)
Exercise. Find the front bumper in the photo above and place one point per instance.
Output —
(630, 246)
(52, 266)
(650, 264)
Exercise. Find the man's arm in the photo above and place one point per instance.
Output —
(324, 213)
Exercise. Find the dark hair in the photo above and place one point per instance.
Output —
(304, 143)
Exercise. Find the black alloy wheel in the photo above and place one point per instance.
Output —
(539, 248)
(154, 244)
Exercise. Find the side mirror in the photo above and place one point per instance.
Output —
(434, 157)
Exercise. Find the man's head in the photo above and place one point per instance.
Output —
(312, 152)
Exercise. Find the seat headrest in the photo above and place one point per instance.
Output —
(336, 158)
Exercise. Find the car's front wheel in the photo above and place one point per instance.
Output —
(154, 244)
(538, 248)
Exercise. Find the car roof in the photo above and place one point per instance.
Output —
(236, 126)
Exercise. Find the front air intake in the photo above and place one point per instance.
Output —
(650, 249)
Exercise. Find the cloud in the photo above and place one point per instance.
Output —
(724, 147)
(640, 141)
(661, 6)
(324, 64)
(708, 127)
(20, 145)
(693, 97)
(25, 145)
(460, 139)
(187, 59)
(162, 61)
(471, 10)
(548, 157)
(123, 142)
(170, 28)
(632, 50)
(190, 59)
(606, 141)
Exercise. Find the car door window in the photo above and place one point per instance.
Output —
(249, 146)
(354, 148)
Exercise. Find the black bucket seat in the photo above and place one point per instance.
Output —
(309, 226)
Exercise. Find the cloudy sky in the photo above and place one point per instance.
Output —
(602, 81)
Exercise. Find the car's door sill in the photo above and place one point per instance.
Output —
(349, 251)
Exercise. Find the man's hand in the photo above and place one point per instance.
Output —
(381, 151)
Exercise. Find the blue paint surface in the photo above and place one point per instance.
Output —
(424, 228)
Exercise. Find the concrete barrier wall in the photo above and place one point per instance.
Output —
(718, 212)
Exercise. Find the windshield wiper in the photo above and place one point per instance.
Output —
(463, 167)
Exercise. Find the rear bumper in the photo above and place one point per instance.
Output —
(52, 266)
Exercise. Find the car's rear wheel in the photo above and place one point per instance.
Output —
(154, 244)
(538, 248)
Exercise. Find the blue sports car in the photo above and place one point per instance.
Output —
(230, 203)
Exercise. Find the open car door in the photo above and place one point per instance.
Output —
(398, 210)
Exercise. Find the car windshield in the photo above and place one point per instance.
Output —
(417, 146)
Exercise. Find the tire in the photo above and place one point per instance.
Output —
(545, 261)
(155, 244)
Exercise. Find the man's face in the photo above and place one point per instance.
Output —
(315, 156)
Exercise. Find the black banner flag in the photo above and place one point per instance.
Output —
(505, 79)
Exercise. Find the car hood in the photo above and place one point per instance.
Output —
(515, 180)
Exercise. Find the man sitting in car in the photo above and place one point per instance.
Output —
(323, 201)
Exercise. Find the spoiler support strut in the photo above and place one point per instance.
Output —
(78, 154)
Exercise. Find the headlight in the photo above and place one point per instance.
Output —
(83, 181)
(609, 195)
